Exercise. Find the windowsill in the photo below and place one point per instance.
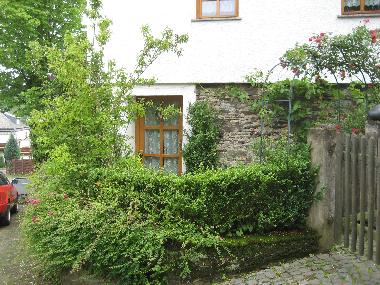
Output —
(373, 15)
(217, 19)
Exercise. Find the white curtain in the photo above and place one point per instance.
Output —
(170, 142)
(152, 142)
(352, 3)
(227, 7)
(372, 2)
(171, 165)
(152, 162)
(209, 8)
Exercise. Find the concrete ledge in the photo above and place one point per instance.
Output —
(217, 19)
(358, 16)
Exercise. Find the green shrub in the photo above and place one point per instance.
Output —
(124, 222)
(201, 152)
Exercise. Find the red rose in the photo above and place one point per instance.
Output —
(338, 128)
(355, 131)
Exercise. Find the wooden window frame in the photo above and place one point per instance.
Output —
(361, 11)
(140, 128)
(218, 16)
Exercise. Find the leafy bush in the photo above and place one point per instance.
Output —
(201, 152)
(136, 225)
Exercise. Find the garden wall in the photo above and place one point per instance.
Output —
(239, 124)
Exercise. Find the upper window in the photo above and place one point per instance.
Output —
(360, 6)
(217, 8)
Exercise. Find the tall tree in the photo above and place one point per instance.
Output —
(22, 23)
(11, 150)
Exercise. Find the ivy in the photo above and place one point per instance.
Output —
(201, 151)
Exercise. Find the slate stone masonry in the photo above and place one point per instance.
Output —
(239, 124)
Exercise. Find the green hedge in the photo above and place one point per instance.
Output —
(256, 198)
(123, 222)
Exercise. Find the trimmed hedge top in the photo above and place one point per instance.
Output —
(256, 198)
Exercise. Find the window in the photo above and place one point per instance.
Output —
(360, 6)
(159, 141)
(217, 9)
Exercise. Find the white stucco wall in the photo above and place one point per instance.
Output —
(221, 51)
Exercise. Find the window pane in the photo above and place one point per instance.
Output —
(152, 142)
(372, 5)
(351, 5)
(171, 165)
(152, 162)
(227, 7)
(151, 117)
(170, 142)
(209, 8)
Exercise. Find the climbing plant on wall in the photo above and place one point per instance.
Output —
(201, 152)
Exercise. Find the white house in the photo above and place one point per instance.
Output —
(227, 40)
(10, 124)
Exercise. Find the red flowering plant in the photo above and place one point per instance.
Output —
(341, 59)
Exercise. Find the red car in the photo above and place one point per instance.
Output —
(8, 200)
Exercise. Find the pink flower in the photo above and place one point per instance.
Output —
(34, 219)
(34, 201)
(373, 36)
(322, 34)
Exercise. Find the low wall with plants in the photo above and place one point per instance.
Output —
(124, 222)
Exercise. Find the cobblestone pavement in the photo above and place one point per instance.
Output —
(337, 267)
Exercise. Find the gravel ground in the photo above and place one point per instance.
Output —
(15, 266)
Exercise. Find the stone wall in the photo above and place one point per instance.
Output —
(239, 124)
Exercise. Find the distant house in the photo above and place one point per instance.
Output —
(10, 124)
